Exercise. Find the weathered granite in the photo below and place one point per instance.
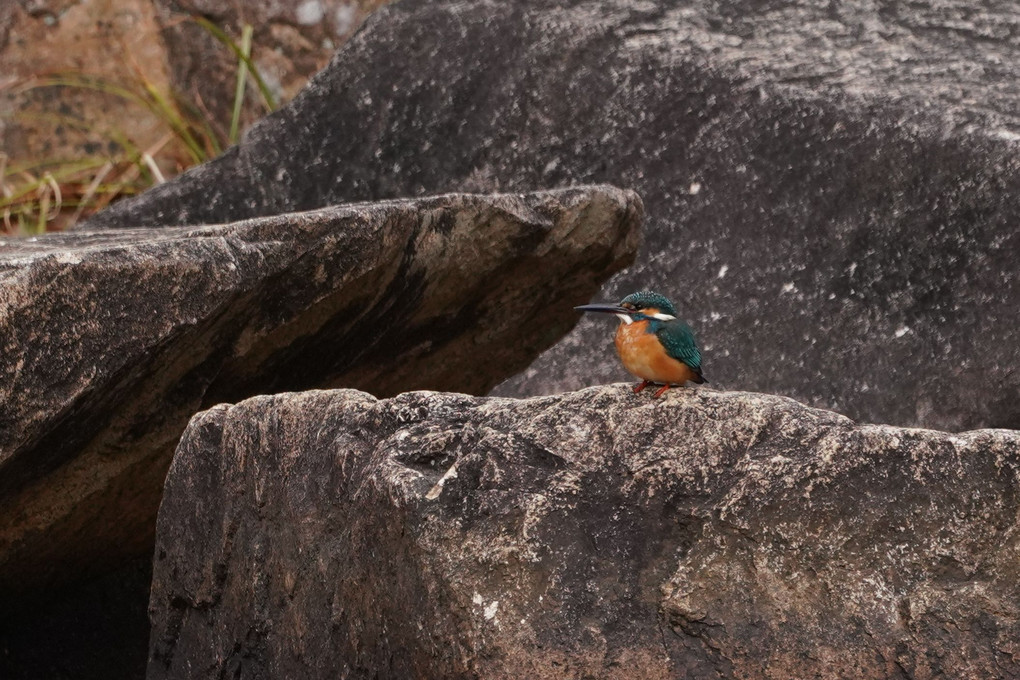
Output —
(832, 190)
(110, 341)
(595, 534)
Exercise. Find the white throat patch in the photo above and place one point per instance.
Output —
(625, 318)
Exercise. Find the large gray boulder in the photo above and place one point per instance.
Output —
(111, 340)
(832, 190)
(595, 534)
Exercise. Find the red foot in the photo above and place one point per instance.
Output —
(642, 385)
(661, 391)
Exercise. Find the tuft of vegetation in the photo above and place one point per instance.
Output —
(54, 193)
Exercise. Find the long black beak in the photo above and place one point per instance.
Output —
(607, 309)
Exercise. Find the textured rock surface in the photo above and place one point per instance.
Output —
(832, 191)
(590, 534)
(110, 341)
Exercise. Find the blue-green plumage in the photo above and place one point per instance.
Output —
(675, 339)
(646, 299)
(675, 335)
(678, 340)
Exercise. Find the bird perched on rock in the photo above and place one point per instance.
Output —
(652, 343)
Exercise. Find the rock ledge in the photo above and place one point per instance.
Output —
(590, 534)
(110, 341)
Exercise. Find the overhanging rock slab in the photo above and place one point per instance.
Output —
(110, 341)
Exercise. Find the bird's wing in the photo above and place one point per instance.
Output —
(678, 339)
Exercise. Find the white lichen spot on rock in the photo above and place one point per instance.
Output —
(694, 189)
(490, 610)
(722, 271)
(438, 488)
(67, 258)
(1008, 135)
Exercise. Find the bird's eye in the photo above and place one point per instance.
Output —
(627, 305)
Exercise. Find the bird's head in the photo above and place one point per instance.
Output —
(637, 307)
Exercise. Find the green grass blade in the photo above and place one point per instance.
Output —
(242, 79)
(86, 82)
(65, 166)
(152, 99)
(216, 32)
(61, 174)
(162, 107)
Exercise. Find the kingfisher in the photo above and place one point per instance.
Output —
(652, 343)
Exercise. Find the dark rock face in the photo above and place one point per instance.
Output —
(96, 630)
(591, 534)
(832, 192)
(110, 341)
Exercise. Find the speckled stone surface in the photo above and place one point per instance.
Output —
(593, 534)
(110, 341)
(832, 190)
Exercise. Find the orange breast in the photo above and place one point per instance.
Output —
(644, 356)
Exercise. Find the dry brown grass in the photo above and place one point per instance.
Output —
(54, 193)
